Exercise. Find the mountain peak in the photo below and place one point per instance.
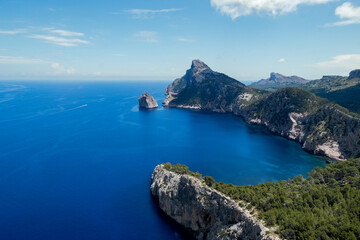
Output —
(274, 76)
(199, 66)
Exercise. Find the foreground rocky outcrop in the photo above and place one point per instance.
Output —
(147, 101)
(321, 127)
(206, 213)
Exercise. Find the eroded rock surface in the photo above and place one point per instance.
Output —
(206, 213)
(147, 101)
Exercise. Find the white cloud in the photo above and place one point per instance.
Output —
(60, 69)
(184, 39)
(237, 8)
(18, 60)
(67, 42)
(282, 60)
(56, 36)
(12, 32)
(349, 13)
(146, 36)
(341, 64)
(66, 33)
(147, 13)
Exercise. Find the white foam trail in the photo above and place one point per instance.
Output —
(85, 105)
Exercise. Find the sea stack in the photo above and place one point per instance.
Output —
(147, 101)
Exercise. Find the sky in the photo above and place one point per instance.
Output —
(157, 39)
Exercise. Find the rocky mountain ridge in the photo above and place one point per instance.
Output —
(321, 127)
(277, 80)
(205, 89)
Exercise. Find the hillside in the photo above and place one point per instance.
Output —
(205, 89)
(348, 97)
(344, 91)
(321, 127)
(326, 205)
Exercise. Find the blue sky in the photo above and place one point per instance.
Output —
(156, 40)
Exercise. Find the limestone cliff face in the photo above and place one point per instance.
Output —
(203, 211)
(205, 89)
(147, 101)
(321, 127)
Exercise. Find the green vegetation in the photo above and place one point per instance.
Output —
(326, 205)
(181, 169)
(348, 97)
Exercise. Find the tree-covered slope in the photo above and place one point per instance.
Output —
(347, 97)
(326, 205)
(344, 91)
(322, 127)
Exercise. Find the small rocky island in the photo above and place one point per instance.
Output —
(147, 101)
(205, 212)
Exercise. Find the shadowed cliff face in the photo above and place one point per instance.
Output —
(205, 89)
(354, 74)
(206, 213)
(320, 126)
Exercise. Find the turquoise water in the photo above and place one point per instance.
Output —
(76, 158)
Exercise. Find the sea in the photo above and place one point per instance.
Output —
(76, 158)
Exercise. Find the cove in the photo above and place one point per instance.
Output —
(76, 158)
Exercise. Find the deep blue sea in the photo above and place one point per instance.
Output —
(76, 158)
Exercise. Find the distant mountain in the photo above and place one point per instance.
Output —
(320, 126)
(277, 81)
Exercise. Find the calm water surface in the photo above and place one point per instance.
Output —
(76, 158)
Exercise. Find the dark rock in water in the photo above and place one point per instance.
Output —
(147, 101)
(277, 81)
(354, 74)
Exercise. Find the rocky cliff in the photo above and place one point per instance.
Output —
(320, 126)
(147, 101)
(205, 89)
(206, 213)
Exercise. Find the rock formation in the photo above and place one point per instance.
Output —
(320, 126)
(205, 89)
(147, 101)
(354, 74)
(206, 213)
(276, 81)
